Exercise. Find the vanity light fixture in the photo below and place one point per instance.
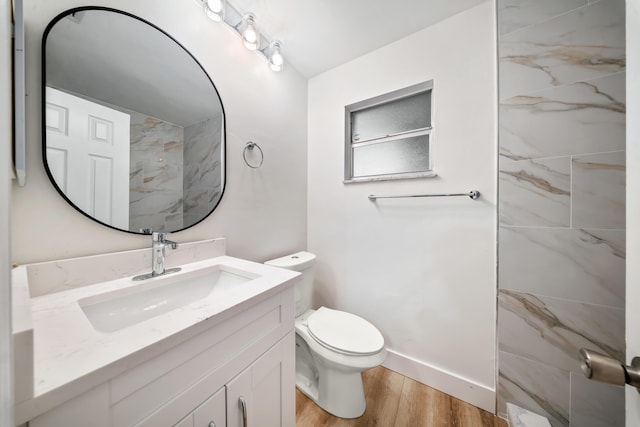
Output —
(214, 9)
(245, 26)
(276, 60)
(249, 32)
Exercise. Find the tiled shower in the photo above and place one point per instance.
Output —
(164, 194)
(562, 201)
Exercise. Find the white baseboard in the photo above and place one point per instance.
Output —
(478, 395)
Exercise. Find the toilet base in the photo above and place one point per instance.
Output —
(338, 391)
(346, 391)
(331, 380)
(346, 394)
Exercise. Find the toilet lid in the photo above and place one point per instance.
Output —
(344, 332)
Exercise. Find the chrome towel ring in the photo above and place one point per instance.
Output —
(250, 146)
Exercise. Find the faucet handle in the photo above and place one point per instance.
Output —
(160, 238)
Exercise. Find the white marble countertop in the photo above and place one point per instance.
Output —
(70, 356)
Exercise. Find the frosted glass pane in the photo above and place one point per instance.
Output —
(402, 115)
(392, 157)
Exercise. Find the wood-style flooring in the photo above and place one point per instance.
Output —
(394, 400)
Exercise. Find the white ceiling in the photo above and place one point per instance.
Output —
(318, 35)
(87, 58)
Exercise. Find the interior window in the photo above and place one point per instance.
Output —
(390, 136)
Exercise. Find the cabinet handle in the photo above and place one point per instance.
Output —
(243, 406)
(212, 424)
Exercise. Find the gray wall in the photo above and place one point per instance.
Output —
(562, 205)
(421, 270)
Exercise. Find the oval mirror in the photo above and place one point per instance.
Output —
(133, 128)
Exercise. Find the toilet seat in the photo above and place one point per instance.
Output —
(344, 332)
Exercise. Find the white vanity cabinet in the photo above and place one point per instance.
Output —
(261, 395)
(212, 413)
(247, 351)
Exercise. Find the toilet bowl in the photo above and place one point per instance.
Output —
(332, 347)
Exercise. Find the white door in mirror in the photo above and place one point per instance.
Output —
(88, 155)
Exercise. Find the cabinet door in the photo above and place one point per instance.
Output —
(212, 413)
(186, 421)
(89, 409)
(263, 395)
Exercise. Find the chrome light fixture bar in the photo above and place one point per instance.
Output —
(244, 24)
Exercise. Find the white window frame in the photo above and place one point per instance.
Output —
(379, 100)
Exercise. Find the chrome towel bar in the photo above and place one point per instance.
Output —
(474, 194)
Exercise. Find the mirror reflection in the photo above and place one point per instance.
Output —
(134, 128)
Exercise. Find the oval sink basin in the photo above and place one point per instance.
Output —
(112, 311)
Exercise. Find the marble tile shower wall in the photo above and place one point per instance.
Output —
(202, 179)
(156, 174)
(561, 212)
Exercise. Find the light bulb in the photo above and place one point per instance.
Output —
(250, 34)
(276, 60)
(214, 9)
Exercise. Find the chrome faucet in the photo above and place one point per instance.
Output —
(159, 244)
(158, 252)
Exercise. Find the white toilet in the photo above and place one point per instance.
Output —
(332, 347)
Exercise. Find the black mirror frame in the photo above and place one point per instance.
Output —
(43, 113)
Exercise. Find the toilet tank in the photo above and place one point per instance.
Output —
(304, 262)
